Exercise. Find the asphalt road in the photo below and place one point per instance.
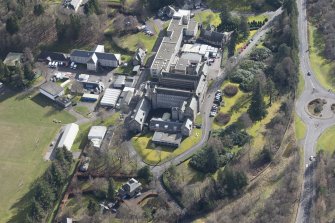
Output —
(315, 126)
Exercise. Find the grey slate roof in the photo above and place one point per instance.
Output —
(162, 137)
(51, 88)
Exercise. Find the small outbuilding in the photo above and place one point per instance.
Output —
(119, 82)
(96, 135)
(68, 136)
(51, 90)
(13, 59)
(131, 188)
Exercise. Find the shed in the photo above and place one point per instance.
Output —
(69, 135)
(96, 135)
(90, 97)
(12, 59)
(119, 82)
(110, 97)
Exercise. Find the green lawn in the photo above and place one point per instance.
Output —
(300, 127)
(229, 102)
(259, 17)
(27, 128)
(132, 42)
(83, 110)
(326, 141)
(208, 17)
(320, 65)
(154, 155)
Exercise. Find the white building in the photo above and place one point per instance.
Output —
(68, 136)
(51, 90)
(110, 97)
(96, 58)
(96, 135)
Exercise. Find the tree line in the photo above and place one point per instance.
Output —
(49, 187)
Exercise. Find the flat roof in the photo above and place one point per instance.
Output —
(97, 132)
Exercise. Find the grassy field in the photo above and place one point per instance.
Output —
(154, 155)
(208, 17)
(300, 127)
(320, 65)
(326, 141)
(132, 42)
(27, 128)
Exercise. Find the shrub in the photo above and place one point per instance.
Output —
(230, 90)
(222, 118)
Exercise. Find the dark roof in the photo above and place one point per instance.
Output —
(106, 56)
(53, 56)
(81, 53)
(211, 35)
(51, 88)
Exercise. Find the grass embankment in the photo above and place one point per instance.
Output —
(300, 127)
(258, 129)
(27, 128)
(158, 154)
(301, 84)
(326, 141)
(321, 67)
(258, 18)
(228, 104)
(208, 17)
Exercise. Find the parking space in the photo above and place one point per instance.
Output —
(214, 68)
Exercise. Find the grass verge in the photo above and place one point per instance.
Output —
(321, 67)
(300, 127)
(158, 154)
(326, 141)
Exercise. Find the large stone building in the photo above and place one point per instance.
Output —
(181, 26)
(179, 86)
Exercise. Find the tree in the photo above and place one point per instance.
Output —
(38, 9)
(44, 195)
(36, 212)
(232, 44)
(111, 190)
(12, 25)
(269, 87)
(28, 72)
(213, 161)
(145, 174)
(244, 27)
(257, 109)
(230, 183)
(92, 207)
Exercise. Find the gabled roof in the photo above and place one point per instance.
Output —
(53, 56)
(51, 88)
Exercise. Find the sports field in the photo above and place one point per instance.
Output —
(26, 129)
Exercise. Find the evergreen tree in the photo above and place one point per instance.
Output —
(44, 195)
(213, 161)
(111, 189)
(232, 44)
(38, 9)
(36, 212)
(244, 27)
(145, 174)
(257, 109)
(92, 207)
(12, 25)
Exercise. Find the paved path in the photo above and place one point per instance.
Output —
(315, 126)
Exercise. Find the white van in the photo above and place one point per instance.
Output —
(72, 64)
